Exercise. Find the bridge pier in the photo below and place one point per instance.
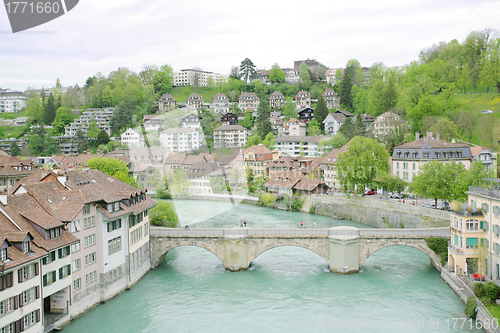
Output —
(236, 253)
(344, 250)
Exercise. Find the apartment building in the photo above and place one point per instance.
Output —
(230, 136)
(255, 158)
(100, 116)
(407, 159)
(192, 121)
(277, 100)
(333, 122)
(220, 103)
(331, 98)
(198, 78)
(13, 169)
(11, 101)
(293, 127)
(131, 138)
(248, 101)
(477, 225)
(303, 99)
(194, 102)
(180, 139)
(386, 123)
(296, 145)
(166, 102)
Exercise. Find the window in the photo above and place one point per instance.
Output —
(75, 226)
(51, 257)
(29, 295)
(135, 235)
(114, 225)
(53, 233)
(146, 229)
(64, 252)
(86, 209)
(90, 259)
(6, 306)
(472, 225)
(114, 245)
(64, 271)
(89, 240)
(49, 278)
(77, 264)
(91, 277)
(28, 272)
(3, 254)
(470, 243)
(414, 166)
(77, 284)
(88, 222)
(75, 247)
(485, 207)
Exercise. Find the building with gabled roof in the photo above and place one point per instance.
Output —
(13, 169)
(303, 99)
(194, 102)
(248, 101)
(331, 98)
(220, 103)
(277, 100)
(166, 102)
(293, 127)
(230, 136)
(333, 122)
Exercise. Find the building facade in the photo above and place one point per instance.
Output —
(11, 101)
(230, 136)
(100, 116)
(220, 103)
(248, 101)
(277, 100)
(166, 102)
(180, 139)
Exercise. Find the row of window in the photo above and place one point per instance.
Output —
(12, 303)
(90, 259)
(135, 236)
(20, 325)
(89, 240)
(115, 245)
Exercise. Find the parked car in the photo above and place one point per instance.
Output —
(396, 196)
(369, 192)
(486, 111)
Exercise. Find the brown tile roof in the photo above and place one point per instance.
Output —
(175, 158)
(193, 159)
(339, 117)
(307, 184)
(76, 162)
(433, 143)
(9, 165)
(257, 149)
(230, 128)
(285, 179)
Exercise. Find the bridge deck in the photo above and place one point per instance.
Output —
(299, 233)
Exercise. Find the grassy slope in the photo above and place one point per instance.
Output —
(180, 94)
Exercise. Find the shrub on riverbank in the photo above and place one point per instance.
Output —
(478, 289)
(267, 199)
(491, 290)
(296, 204)
(164, 215)
(470, 308)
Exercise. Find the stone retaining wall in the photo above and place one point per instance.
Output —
(378, 213)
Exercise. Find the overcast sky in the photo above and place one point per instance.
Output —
(102, 35)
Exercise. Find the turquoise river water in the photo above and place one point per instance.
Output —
(286, 289)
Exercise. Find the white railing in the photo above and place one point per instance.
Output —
(297, 232)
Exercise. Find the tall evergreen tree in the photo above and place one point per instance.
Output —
(14, 149)
(321, 111)
(247, 70)
(50, 110)
(263, 123)
(345, 90)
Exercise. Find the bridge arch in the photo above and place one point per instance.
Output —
(161, 248)
(369, 247)
(253, 256)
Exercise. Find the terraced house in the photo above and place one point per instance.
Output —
(248, 101)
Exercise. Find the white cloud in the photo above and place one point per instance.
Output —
(100, 36)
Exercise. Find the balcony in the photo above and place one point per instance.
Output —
(455, 250)
(491, 188)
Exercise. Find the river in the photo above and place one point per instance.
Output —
(286, 289)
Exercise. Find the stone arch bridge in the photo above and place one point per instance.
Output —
(344, 248)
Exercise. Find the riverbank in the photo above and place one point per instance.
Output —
(370, 211)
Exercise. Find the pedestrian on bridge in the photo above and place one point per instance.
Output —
(314, 224)
(244, 223)
(187, 226)
(301, 224)
(241, 223)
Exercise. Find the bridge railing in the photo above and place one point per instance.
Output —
(423, 232)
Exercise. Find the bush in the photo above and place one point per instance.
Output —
(164, 215)
(440, 247)
(478, 289)
(470, 308)
(491, 290)
(163, 194)
(296, 205)
(267, 199)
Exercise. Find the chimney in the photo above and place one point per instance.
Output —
(429, 135)
(62, 180)
(3, 199)
(437, 136)
(417, 135)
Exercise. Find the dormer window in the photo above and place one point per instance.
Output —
(26, 247)
(3, 254)
(426, 155)
(438, 154)
(117, 206)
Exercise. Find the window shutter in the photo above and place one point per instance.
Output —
(37, 315)
(37, 269)
(54, 276)
(19, 275)
(37, 293)
(17, 329)
(60, 273)
(53, 255)
(68, 250)
(16, 302)
(69, 269)
(21, 299)
(2, 283)
(481, 225)
(8, 282)
(60, 253)
(21, 321)
(45, 280)
(44, 261)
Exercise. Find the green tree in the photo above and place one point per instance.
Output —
(34, 109)
(289, 111)
(269, 140)
(250, 181)
(276, 74)
(163, 79)
(490, 73)
(321, 112)
(49, 110)
(364, 161)
(247, 120)
(247, 70)
(336, 141)
(113, 167)
(14, 148)
(314, 128)
(35, 145)
(345, 96)
(391, 183)
(446, 128)
(178, 182)
(164, 215)
(263, 123)
(305, 76)
(102, 138)
(352, 126)
(253, 140)
(81, 141)
(93, 130)
(51, 146)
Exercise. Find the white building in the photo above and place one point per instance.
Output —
(296, 145)
(333, 122)
(180, 139)
(11, 101)
(199, 78)
(220, 104)
(230, 136)
(131, 138)
(100, 116)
